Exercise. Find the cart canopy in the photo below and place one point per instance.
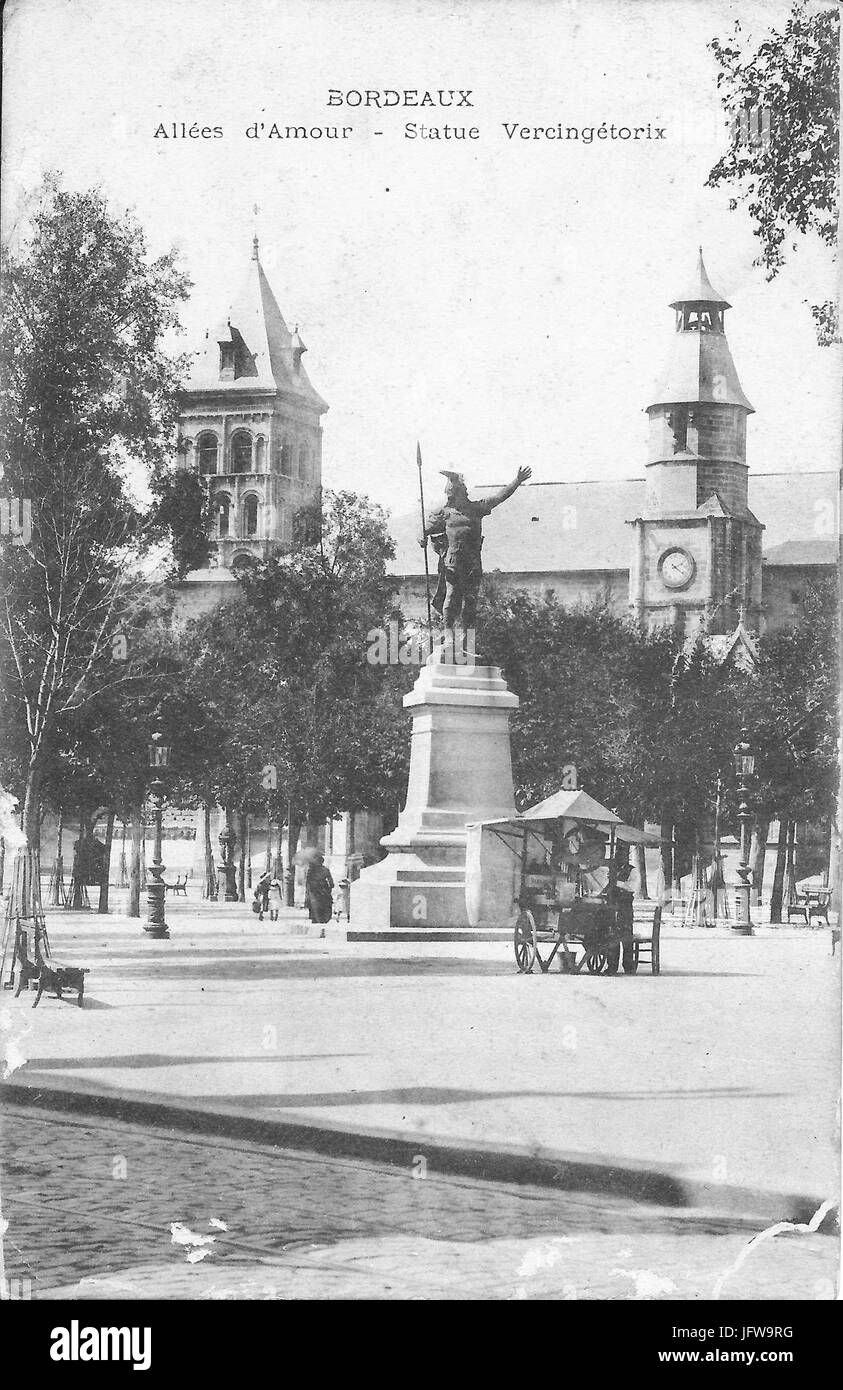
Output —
(574, 806)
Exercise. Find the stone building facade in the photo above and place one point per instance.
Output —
(250, 425)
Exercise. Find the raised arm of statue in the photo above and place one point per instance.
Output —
(497, 497)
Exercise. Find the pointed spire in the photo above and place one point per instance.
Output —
(298, 347)
(699, 289)
(266, 355)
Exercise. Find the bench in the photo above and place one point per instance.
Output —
(37, 964)
(812, 902)
(180, 886)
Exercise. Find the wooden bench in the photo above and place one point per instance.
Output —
(36, 963)
(180, 886)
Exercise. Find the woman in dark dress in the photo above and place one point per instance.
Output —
(319, 887)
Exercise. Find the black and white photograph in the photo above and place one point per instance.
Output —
(420, 730)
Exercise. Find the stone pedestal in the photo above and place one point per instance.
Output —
(460, 771)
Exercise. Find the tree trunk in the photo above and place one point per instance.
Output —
(79, 895)
(2, 861)
(135, 866)
(25, 885)
(57, 876)
(106, 863)
(209, 883)
(778, 873)
(123, 876)
(268, 861)
(639, 859)
(241, 861)
(757, 857)
(248, 829)
(293, 832)
(666, 855)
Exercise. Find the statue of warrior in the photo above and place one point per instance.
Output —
(455, 532)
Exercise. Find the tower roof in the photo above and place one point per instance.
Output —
(270, 361)
(700, 366)
(700, 369)
(699, 289)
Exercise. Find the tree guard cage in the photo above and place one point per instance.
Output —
(23, 905)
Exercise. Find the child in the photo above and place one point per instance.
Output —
(275, 899)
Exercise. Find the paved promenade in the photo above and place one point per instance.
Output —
(719, 1077)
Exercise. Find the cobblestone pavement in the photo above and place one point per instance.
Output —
(102, 1209)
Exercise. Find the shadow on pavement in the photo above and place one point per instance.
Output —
(140, 1060)
(446, 1095)
(247, 967)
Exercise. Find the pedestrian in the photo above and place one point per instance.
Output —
(262, 893)
(275, 898)
(318, 890)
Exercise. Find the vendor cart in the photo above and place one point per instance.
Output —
(570, 902)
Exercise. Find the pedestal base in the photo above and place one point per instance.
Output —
(460, 771)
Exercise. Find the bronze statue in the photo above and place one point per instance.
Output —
(455, 532)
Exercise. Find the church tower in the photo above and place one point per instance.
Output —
(696, 561)
(250, 425)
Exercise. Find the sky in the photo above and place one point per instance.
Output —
(502, 300)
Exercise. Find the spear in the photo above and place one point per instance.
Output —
(424, 538)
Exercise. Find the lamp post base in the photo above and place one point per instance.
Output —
(742, 925)
(155, 924)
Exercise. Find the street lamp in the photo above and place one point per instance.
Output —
(228, 869)
(744, 769)
(159, 757)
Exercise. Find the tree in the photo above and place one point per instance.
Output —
(783, 101)
(791, 711)
(88, 395)
(296, 720)
(181, 515)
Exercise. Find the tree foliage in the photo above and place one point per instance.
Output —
(651, 724)
(782, 99)
(88, 393)
(279, 676)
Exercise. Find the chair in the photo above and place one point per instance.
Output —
(799, 904)
(647, 916)
(819, 901)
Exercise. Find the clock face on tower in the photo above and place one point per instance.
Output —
(677, 567)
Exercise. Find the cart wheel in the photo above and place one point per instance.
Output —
(613, 958)
(630, 957)
(654, 958)
(596, 963)
(525, 951)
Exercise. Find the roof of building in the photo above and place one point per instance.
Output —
(699, 289)
(578, 527)
(273, 357)
(740, 647)
(700, 368)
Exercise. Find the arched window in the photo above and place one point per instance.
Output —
(250, 515)
(285, 458)
(242, 562)
(207, 449)
(222, 504)
(260, 454)
(283, 523)
(241, 452)
(304, 461)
